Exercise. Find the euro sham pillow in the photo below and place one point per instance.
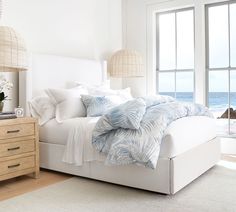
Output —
(99, 105)
(124, 94)
(58, 95)
(68, 102)
(70, 108)
(41, 107)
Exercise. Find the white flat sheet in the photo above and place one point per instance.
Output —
(76, 135)
(181, 135)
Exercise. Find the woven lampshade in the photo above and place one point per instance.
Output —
(126, 63)
(13, 54)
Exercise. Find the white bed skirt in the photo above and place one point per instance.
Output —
(170, 176)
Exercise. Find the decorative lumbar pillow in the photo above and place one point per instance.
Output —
(99, 105)
(42, 108)
(70, 108)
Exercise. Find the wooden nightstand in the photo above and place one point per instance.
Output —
(19, 148)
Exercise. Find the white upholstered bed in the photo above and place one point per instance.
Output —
(183, 157)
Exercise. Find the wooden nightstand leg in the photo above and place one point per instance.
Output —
(37, 169)
(36, 174)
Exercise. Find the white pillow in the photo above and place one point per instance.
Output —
(70, 108)
(58, 95)
(42, 108)
(68, 102)
(87, 86)
(104, 90)
(125, 94)
(99, 105)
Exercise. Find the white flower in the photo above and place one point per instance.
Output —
(5, 84)
(2, 78)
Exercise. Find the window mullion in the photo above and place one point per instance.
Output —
(227, 70)
(229, 46)
(229, 102)
(175, 51)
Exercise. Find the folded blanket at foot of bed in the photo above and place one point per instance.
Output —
(132, 132)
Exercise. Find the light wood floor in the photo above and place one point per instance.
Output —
(20, 185)
(24, 184)
(231, 158)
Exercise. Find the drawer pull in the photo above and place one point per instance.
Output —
(13, 149)
(13, 131)
(13, 166)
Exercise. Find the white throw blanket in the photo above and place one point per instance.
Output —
(79, 147)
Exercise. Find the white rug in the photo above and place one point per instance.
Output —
(215, 191)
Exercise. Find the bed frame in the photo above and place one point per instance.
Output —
(171, 174)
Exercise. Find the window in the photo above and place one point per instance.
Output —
(175, 54)
(221, 64)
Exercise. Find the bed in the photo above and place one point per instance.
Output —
(183, 157)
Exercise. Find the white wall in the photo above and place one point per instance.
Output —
(134, 37)
(77, 28)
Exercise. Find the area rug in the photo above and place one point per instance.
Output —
(214, 191)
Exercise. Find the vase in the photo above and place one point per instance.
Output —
(1, 106)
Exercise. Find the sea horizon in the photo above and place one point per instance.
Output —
(217, 100)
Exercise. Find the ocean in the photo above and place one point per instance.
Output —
(218, 104)
(217, 100)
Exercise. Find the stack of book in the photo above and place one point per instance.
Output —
(7, 115)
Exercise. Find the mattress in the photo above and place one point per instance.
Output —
(180, 136)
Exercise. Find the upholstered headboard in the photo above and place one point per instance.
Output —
(50, 71)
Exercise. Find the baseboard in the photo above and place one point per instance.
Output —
(228, 146)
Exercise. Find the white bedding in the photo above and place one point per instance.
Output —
(181, 135)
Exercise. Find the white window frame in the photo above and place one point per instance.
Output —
(175, 70)
(226, 69)
(156, 6)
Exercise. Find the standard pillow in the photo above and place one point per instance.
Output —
(94, 87)
(58, 95)
(42, 108)
(70, 108)
(99, 105)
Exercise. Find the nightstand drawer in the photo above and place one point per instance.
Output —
(16, 165)
(15, 148)
(17, 130)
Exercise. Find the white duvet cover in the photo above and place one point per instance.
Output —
(181, 135)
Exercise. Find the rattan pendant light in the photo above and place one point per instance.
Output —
(13, 53)
(126, 63)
